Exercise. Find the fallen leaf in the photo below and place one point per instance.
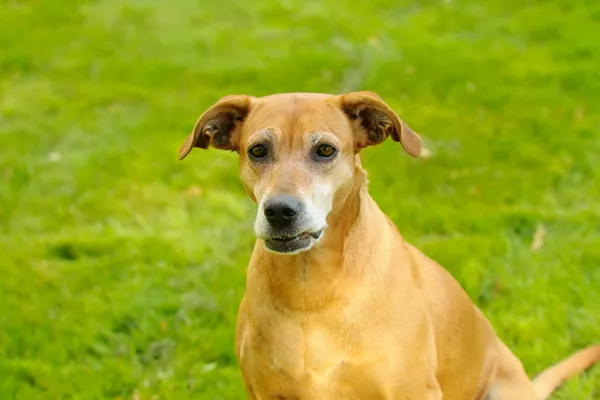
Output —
(374, 41)
(538, 237)
(498, 286)
(425, 153)
(193, 191)
(54, 156)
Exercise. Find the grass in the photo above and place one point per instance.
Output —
(122, 268)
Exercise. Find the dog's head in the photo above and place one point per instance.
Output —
(298, 154)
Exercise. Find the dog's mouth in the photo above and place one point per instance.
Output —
(293, 244)
(304, 235)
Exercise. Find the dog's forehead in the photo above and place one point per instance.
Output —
(293, 97)
(296, 114)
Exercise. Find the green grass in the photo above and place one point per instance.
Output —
(118, 281)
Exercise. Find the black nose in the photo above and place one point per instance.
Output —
(281, 210)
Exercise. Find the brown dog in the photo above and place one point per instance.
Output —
(337, 304)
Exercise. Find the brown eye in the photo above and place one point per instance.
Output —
(258, 151)
(326, 151)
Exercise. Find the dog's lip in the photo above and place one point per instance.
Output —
(284, 239)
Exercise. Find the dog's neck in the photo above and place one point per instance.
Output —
(324, 275)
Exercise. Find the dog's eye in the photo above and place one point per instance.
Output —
(258, 151)
(326, 151)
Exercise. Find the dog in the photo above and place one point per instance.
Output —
(337, 305)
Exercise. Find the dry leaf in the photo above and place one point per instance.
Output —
(193, 191)
(538, 237)
(498, 286)
(54, 156)
(374, 42)
(425, 153)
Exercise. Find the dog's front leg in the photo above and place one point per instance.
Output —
(419, 384)
(434, 389)
(430, 392)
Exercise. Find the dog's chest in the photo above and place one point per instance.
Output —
(312, 360)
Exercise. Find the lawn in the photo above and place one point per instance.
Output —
(122, 268)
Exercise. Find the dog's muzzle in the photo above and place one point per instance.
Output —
(288, 225)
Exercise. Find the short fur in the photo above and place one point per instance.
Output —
(360, 313)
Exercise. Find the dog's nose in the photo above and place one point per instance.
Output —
(281, 210)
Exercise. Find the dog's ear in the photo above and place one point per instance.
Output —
(373, 121)
(219, 126)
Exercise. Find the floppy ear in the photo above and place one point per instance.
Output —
(219, 126)
(373, 121)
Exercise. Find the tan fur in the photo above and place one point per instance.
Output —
(362, 314)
